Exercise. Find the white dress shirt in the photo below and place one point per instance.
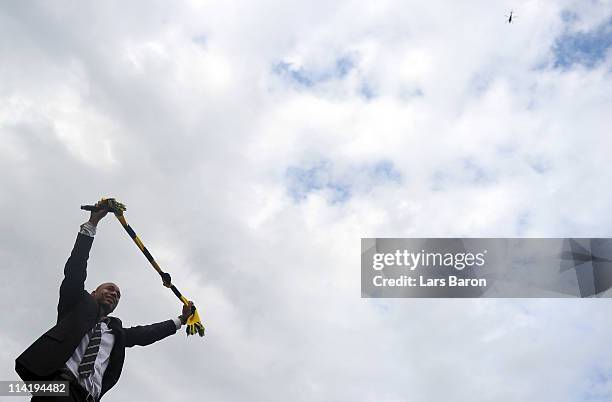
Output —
(93, 383)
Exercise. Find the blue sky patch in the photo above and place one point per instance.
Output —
(476, 173)
(585, 48)
(339, 184)
(462, 172)
(522, 223)
(540, 165)
(201, 40)
(303, 181)
(307, 78)
(385, 171)
(297, 75)
(344, 65)
(367, 91)
(598, 385)
(568, 16)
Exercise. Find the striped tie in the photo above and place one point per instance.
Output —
(89, 357)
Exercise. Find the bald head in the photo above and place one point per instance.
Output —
(107, 295)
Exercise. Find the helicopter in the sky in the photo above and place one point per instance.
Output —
(510, 17)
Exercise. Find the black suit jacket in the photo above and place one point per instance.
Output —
(77, 313)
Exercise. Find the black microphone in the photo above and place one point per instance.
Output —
(93, 208)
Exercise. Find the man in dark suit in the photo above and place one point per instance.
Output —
(87, 347)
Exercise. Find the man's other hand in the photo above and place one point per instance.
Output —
(186, 313)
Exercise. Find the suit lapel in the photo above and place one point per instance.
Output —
(115, 364)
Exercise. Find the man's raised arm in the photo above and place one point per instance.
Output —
(75, 270)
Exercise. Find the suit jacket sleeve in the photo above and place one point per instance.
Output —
(75, 272)
(144, 335)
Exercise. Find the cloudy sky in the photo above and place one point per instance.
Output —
(255, 143)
